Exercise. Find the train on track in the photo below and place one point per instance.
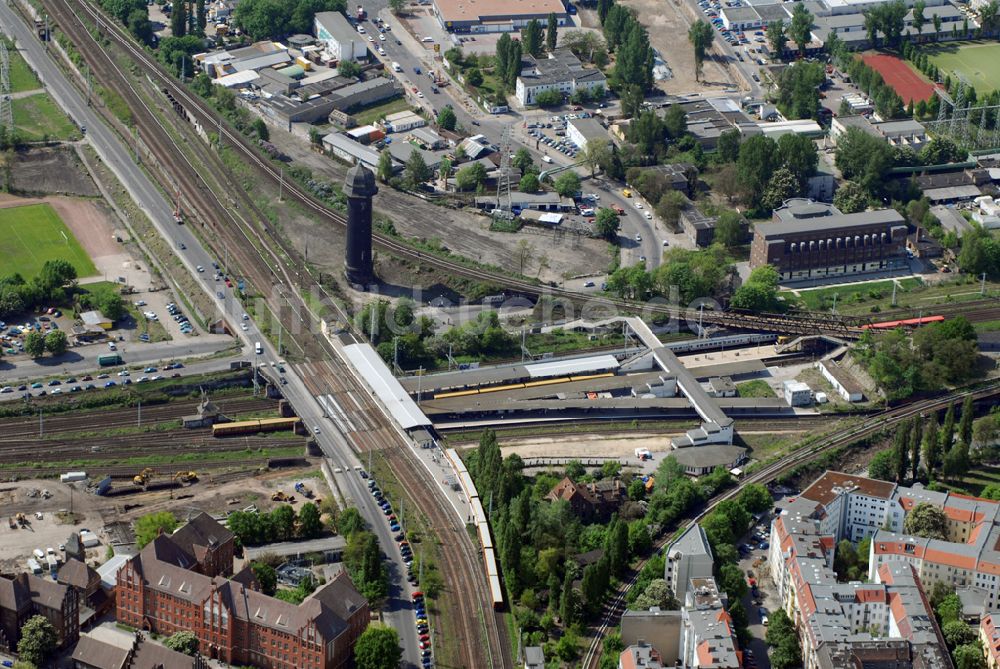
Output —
(518, 386)
(255, 426)
(482, 528)
(905, 323)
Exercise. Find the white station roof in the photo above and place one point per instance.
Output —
(600, 363)
(370, 367)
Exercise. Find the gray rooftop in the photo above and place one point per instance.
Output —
(711, 455)
(825, 223)
(561, 65)
(337, 25)
(693, 541)
(590, 128)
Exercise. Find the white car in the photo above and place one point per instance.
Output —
(361, 30)
(381, 51)
(200, 268)
(638, 205)
(427, 40)
(316, 429)
(649, 216)
(371, 39)
(381, 36)
(420, 94)
(243, 326)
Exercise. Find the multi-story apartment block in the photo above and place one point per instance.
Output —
(708, 638)
(989, 636)
(688, 557)
(164, 589)
(888, 619)
(26, 595)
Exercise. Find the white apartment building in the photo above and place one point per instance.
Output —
(561, 71)
(688, 557)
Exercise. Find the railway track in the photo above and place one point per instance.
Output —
(614, 608)
(28, 426)
(8, 473)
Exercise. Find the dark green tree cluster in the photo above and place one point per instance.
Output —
(507, 62)
(701, 273)
(50, 286)
(961, 638)
(480, 337)
(759, 293)
(363, 559)
(926, 520)
(800, 28)
(38, 641)
(276, 19)
(651, 133)
(281, 524)
(936, 355)
(784, 641)
(177, 53)
(148, 527)
(980, 253)
(700, 35)
(851, 563)
(630, 42)
(798, 89)
(532, 37)
(183, 642)
(134, 15)
(378, 648)
(769, 172)
(887, 19)
(863, 159)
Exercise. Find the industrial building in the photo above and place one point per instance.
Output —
(582, 131)
(493, 16)
(561, 71)
(341, 41)
(350, 151)
(906, 133)
(807, 240)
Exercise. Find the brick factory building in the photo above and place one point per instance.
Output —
(810, 240)
(177, 583)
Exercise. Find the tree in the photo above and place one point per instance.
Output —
(183, 642)
(55, 343)
(732, 581)
(798, 153)
(947, 433)
(549, 99)
(266, 576)
(384, 168)
(350, 521)
(378, 648)
(670, 206)
(522, 160)
(38, 641)
(140, 26)
(596, 154)
(349, 69)
(727, 149)
(531, 37)
(607, 223)
(782, 186)
(940, 150)
(901, 452)
(969, 656)
(957, 633)
(988, 14)
(567, 184)
(470, 177)
(863, 158)
(851, 198)
(729, 229)
(551, 33)
(603, 7)
(700, 34)
(776, 37)
(528, 183)
(444, 169)
(148, 527)
(881, 466)
(34, 344)
(919, 20)
(757, 161)
(310, 525)
(416, 171)
(755, 498)
(800, 29)
(926, 520)
(446, 118)
(631, 100)
(964, 424)
(260, 129)
(916, 438)
(179, 19)
(397, 6)
(798, 89)
(502, 58)
(957, 460)
(55, 274)
(675, 122)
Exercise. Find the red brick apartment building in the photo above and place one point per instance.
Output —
(170, 586)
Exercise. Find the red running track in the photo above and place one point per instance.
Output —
(897, 73)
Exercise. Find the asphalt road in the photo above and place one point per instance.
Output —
(120, 160)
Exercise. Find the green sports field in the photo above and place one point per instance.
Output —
(34, 233)
(978, 62)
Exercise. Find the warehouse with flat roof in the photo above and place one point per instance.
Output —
(493, 16)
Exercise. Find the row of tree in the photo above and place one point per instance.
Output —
(770, 172)
(276, 19)
(280, 524)
(694, 274)
(52, 285)
(628, 39)
(962, 639)
(924, 450)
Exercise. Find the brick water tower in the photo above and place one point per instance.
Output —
(359, 187)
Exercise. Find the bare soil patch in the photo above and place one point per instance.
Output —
(55, 170)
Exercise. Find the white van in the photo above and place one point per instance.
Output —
(258, 348)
